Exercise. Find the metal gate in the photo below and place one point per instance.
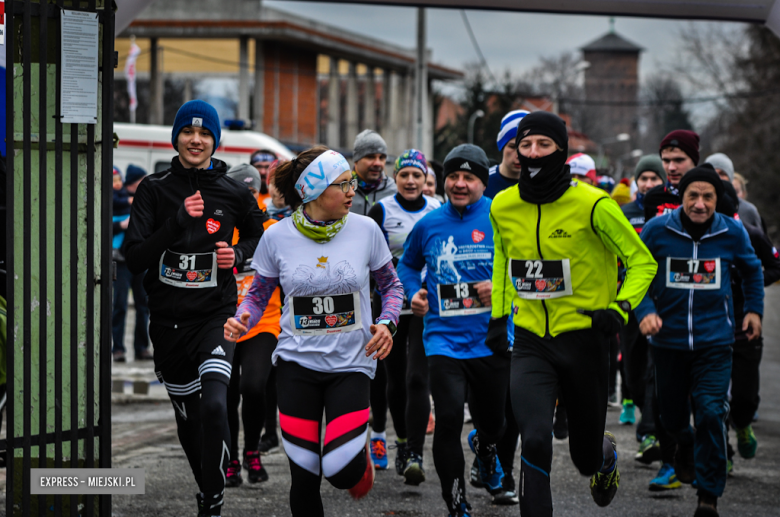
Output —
(59, 262)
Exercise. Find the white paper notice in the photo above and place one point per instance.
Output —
(79, 70)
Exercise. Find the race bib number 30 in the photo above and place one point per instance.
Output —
(541, 279)
(459, 299)
(328, 314)
(188, 270)
(683, 273)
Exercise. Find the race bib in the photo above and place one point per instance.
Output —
(683, 273)
(459, 299)
(541, 279)
(331, 314)
(188, 270)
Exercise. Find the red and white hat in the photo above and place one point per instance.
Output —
(582, 165)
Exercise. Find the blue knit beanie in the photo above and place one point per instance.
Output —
(134, 173)
(200, 114)
(509, 125)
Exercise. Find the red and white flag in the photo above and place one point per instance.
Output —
(132, 57)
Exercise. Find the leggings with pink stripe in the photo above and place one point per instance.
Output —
(303, 395)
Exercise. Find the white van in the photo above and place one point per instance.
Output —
(150, 147)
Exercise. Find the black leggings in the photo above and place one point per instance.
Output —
(405, 375)
(303, 395)
(486, 379)
(577, 363)
(248, 380)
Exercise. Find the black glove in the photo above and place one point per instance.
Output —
(497, 339)
(608, 321)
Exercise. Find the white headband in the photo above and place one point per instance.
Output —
(320, 174)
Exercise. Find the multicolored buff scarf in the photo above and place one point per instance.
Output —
(319, 232)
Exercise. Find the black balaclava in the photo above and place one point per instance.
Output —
(545, 179)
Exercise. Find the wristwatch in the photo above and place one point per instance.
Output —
(625, 305)
(389, 324)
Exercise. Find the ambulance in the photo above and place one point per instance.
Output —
(150, 148)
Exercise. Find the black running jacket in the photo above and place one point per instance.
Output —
(159, 222)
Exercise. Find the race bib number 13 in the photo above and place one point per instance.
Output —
(684, 273)
(459, 299)
(535, 279)
(326, 314)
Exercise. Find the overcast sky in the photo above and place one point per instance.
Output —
(509, 40)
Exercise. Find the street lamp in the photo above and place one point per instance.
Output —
(472, 119)
(622, 137)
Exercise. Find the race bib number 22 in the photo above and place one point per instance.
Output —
(536, 279)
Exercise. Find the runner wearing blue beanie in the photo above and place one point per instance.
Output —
(196, 114)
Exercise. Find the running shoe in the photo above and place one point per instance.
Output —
(508, 495)
(665, 480)
(463, 510)
(233, 476)
(746, 442)
(268, 444)
(603, 487)
(490, 472)
(561, 423)
(474, 479)
(431, 424)
(708, 507)
(366, 483)
(684, 464)
(400, 457)
(649, 450)
(254, 467)
(379, 453)
(414, 474)
(627, 416)
(119, 357)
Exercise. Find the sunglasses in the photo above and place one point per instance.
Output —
(346, 185)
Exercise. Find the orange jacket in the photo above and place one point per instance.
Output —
(273, 312)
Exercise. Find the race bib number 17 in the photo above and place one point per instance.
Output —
(684, 273)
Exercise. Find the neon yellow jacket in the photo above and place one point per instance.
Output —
(584, 226)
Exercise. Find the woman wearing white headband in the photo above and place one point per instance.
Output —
(323, 257)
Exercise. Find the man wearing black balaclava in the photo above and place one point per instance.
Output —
(688, 312)
(557, 240)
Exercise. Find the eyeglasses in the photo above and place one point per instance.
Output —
(346, 185)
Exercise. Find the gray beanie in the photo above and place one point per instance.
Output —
(722, 162)
(368, 142)
(469, 158)
(246, 175)
(650, 162)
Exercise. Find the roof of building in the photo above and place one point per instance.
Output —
(611, 42)
(218, 19)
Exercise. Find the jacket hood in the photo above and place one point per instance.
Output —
(674, 223)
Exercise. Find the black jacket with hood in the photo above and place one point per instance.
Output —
(159, 222)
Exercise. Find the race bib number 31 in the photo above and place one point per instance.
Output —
(684, 273)
(459, 299)
(188, 270)
(541, 279)
(327, 314)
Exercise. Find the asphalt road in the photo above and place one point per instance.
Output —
(144, 436)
